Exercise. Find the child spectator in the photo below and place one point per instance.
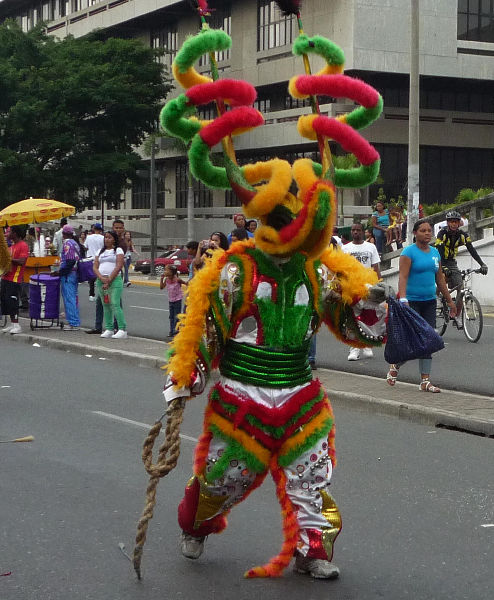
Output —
(393, 232)
(172, 282)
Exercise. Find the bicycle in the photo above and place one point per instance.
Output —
(472, 318)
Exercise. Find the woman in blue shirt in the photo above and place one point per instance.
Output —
(380, 223)
(420, 273)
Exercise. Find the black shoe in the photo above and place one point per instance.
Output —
(313, 366)
(94, 331)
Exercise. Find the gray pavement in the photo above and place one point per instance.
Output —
(452, 409)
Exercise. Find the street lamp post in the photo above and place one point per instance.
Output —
(154, 206)
(413, 121)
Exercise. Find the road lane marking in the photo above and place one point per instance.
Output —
(148, 308)
(136, 423)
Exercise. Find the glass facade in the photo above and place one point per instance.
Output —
(221, 18)
(141, 194)
(476, 20)
(273, 28)
(443, 171)
(166, 38)
(203, 196)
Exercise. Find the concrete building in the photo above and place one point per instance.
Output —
(457, 87)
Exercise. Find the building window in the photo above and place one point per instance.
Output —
(203, 196)
(141, 194)
(476, 20)
(166, 39)
(273, 28)
(221, 18)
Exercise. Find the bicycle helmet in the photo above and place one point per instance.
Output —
(453, 214)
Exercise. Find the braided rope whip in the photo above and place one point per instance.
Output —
(167, 460)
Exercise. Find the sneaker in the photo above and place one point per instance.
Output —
(458, 323)
(315, 567)
(312, 365)
(93, 331)
(92, 298)
(16, 328)
(120, 335)
(354, 354)
(71, 328)
(107, 333)
(7, 329)
(367, 353)
(190, 546)
(128, 283)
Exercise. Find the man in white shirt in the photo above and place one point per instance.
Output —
(57, 238)
(367, 254)
(94, 243)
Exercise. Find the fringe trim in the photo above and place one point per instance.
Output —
(277, 564)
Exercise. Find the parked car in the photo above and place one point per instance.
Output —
(179, 258)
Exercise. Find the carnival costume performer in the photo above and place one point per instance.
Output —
(252, 311)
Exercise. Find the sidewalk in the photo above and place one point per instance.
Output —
(466, 412)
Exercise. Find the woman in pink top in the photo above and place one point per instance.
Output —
(173, 284)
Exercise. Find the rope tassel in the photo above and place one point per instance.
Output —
(167, 461)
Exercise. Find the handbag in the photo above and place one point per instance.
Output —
(409, 335)
(85, 270)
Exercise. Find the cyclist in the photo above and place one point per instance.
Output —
(448, 241)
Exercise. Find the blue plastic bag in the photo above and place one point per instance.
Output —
(409, 335)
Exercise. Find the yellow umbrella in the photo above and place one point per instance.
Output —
(34, 210)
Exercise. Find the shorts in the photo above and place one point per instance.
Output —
(453, 277)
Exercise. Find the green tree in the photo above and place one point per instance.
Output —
(72, 113)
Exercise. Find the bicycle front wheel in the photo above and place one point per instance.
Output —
(473, 321)
(442, 316)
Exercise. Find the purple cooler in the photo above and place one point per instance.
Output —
(44, 296)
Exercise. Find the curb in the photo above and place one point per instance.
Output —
(403, 410)
(143, 360)
(145, 282)
(415, 413)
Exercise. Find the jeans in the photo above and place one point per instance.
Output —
(69, 285)
(127, 262)
(175, 309)
(379, 236)
(113, 308)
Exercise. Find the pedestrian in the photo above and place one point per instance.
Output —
(420, 274)
(57, 238)
(366, 253)
(94, 243)
(380, 223)
(238, 235)
(118, 227)
(448, 241)
(191, 253)
(252, 226)
(173, 285)
(240, 223)
(81, 240)
(369, 236)
(109, 285)
(127, 237)
(10, 286)
(69, 283)
(217, 240)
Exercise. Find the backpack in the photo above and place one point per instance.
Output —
(85, 270)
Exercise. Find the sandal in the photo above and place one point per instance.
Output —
(390, 378)
(428, 387)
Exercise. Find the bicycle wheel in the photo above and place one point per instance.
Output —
(473, 321)
(442, 316)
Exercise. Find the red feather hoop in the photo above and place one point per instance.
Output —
(289, 7)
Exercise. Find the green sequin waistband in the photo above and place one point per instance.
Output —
(266, 367)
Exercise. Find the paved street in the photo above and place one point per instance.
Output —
(461, 366)
(416, 501)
